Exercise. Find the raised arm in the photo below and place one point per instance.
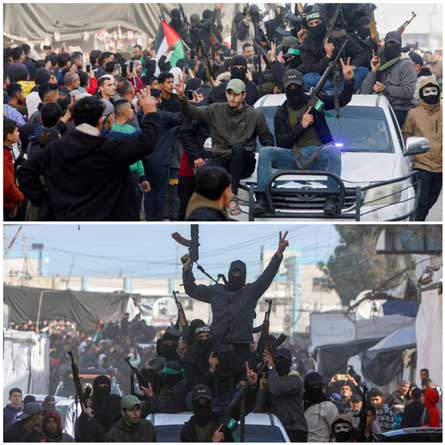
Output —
(198, 292)
(265, 279)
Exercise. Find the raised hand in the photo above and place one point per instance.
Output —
(375, 61)
(348, 69)
(282, 243)
(146, 101)
(252, 376)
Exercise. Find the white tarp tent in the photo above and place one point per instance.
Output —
(25, 362)
(429, 335)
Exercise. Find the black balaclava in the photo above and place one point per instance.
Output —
(194, 324)
(393, 45)
(362, 26)
(342, 431)
(318, 32)
(202, 409)
(204, 346)
(236, 283)
(314, 389)
(239, 73)
(282, 366)
(295, 96)
(430, 99)
(100, 393)
(169, 351)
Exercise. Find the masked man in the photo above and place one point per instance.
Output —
(105, 409)
(303, 138)
(426, 121)
(233, 304)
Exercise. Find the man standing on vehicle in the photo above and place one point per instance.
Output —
(426, 121)
(303, 137)
(233, 304)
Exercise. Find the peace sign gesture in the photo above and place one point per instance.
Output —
(282, 244)
(348, 69)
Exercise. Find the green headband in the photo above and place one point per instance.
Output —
(170, 371)
(293, 52)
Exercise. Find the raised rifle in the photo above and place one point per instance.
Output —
(373, 30)
(332, 23)
(314, 102)
(193, 246)
(183, 323)
(142, 381)
(402, 28)
(81, 396)
(264, 330)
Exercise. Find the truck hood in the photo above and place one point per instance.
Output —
(363, 168)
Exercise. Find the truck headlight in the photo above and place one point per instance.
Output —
(384, 195)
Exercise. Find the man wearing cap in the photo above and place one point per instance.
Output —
(234, 128)
(304, 141)
(395, 78)
(27, 426)
(356, 407)
(131, 428)
(286, 391)
(203, 425)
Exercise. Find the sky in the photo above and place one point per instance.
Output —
(147, 250)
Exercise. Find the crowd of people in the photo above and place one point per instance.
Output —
(123, 137)
(220, 374)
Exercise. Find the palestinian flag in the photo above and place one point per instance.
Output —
(165, 37)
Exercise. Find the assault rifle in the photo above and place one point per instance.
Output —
(264, 330)
(402, 28)
(193, 246)
(226, 419)
(183, 323)
(332, 23)
(314, 102)
(81, 396)
(142, 381)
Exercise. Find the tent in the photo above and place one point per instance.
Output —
(333, 359)
(383, 362)
(74, 21)
(84, 308)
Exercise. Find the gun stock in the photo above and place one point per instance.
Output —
(332, 23)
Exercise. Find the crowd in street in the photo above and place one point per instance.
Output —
(221, 373)
(108, 136)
